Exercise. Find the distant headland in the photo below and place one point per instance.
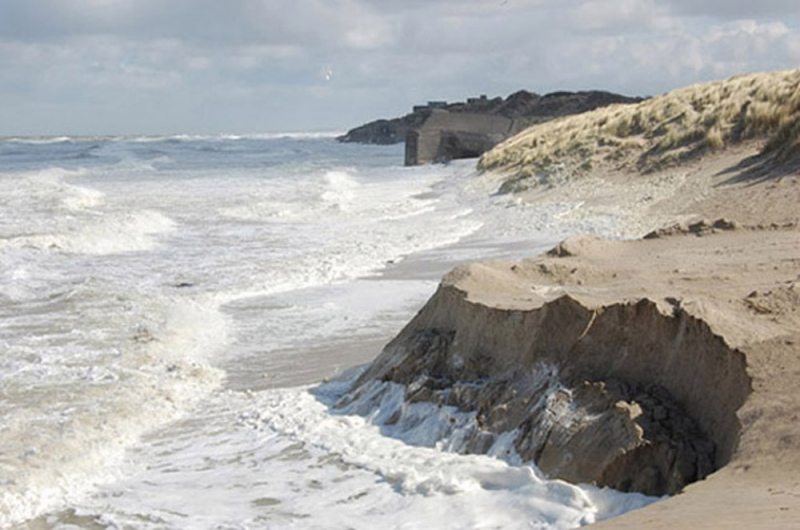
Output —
(440, 131)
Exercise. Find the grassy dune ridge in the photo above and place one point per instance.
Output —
(657, 133)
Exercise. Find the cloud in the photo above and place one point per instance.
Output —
(209, 61)
(626, 15)
(736, 9)
(738, 45)
(655, 63)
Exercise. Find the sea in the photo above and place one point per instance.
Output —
(179, 315)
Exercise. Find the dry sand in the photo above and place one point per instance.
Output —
(743, 282)
(725, 184)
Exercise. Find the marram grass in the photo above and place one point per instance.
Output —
(658, 132)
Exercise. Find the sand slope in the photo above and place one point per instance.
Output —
(745, 283)
(738, 277)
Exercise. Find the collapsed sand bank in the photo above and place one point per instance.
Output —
(713, 319)
(709, 313)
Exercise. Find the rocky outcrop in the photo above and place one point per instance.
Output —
(556, 104)
(385, 132)
(523, 107)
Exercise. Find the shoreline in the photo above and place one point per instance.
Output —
(738, 276)
(299, 366)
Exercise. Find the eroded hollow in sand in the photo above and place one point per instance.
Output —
(622, 396)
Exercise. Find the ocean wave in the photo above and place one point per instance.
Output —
(68, 425)
(113, 234)
(229, 137)
(64, 139)
(176, 259)
(468, 490)
(40, 140)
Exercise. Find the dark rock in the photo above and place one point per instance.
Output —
(385, 132)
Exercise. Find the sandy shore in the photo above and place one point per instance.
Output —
(743, 282)
(740, 277)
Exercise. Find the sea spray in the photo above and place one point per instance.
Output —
(156, 293)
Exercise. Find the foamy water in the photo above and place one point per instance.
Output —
(162, 298)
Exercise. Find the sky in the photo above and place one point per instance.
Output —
(86, 67)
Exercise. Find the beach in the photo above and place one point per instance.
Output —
(660, 361)
(171, 305)
(727, 256)
(283, 331)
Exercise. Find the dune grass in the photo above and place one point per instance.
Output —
(659, 132)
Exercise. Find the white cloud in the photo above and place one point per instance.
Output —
(736, 9)
(793, 48)
(101, 12)
(255, 57)
(142, 55)
(748, 45)
(628, 15)
(368, 32)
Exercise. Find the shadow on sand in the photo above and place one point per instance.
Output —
(758, 169)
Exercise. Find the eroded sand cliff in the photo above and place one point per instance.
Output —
(668, 358)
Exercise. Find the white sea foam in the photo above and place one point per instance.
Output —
(341, 189)
(134, 275)
(343, 228)
(36, 190)
(66, 427)
(48, 140)
(90, 360)
(82, 198)
(104, 234)
(311, 135)
(290, 462)
(48, 213)
(341, 195)
(39, 140)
